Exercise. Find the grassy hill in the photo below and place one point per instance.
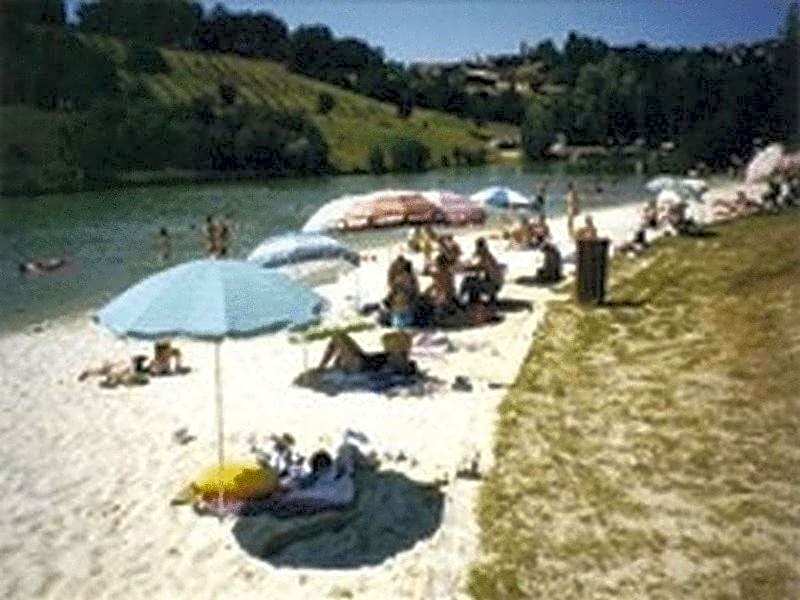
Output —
(352, 128)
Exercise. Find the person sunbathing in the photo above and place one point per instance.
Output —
(451, 250)
(47, 265)
(166, 360)
(344, 353)
(520, 235)
(441, 293)
(132, 372)
(403, 298)
(588, 232)
(540, 231)
(487, 278)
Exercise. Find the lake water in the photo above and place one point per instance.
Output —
(109, 236)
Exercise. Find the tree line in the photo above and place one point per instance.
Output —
(711, 104)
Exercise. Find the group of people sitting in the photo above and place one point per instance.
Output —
(406, 305)
(528, 233)
(138, 369)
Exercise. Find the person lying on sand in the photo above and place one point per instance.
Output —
(132, 372)
(487, 278)
(345, 354)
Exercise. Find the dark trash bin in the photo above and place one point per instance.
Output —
(592, 266)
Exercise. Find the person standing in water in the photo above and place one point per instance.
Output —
(164, 245)
(224, 236)
(573, 207)
(210, 236)
(540, 199)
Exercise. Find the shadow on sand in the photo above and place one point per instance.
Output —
(391, 514)
(511, 305)
(533, 281)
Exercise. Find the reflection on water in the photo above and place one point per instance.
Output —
(110, 236)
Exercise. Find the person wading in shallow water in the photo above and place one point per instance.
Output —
(573, 207)
(163, 245)
(210, 237)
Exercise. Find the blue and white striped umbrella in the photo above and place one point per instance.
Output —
(297, 247)
(211, 300)
(502, 197)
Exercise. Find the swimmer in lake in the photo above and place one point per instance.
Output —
(48, 265)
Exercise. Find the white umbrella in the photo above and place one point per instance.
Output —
(502, 197)
(764, 163)
(688, 188)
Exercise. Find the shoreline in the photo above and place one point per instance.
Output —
(90, 472)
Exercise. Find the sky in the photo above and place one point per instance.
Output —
(439, 30)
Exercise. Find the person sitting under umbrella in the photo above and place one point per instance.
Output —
(344, 353)
(163, 356)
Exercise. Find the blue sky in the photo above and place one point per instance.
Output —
(411, 30)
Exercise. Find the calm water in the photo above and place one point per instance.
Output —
(109, 236)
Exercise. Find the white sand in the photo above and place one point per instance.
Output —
(88, 473)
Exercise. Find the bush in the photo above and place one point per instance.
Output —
(142, 134)
(325, 103)
(538, 130)
(144, 58)
(377, 161)
(227, 92)
(409, 154)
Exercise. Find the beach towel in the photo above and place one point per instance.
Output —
(336, 381)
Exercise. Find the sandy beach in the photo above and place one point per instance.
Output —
(89, 473)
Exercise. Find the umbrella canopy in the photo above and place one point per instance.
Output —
(502, 197)
(379, 209)
(210, 299)
(386, 209)
(764, 164)
(330, 215)
(687, 188)
(297, 247)
(457, 209)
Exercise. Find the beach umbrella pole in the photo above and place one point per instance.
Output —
(218, 402)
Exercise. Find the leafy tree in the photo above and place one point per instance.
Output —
(539, 129)
(377, 161)
(409, 154)
(257, 34)
(227, 92)
(160, 22)
(145, 58)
